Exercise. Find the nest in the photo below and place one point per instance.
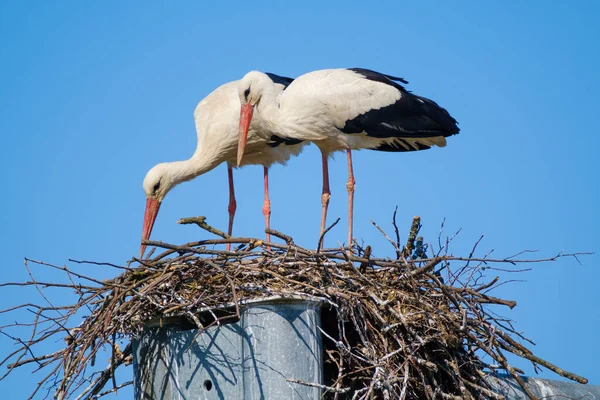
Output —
(409, 326)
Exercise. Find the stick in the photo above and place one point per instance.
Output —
(412, 236)
(201, 222)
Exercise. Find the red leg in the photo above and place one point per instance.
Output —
(326, 192)
(267, 204)
(232, 203)
(350, 186)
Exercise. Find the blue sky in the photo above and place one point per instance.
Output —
(94, 94)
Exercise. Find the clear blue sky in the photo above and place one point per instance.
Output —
(94, 94)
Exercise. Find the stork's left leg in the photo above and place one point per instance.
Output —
(326, 195)
(232, 203)
(350, 186)
(267, 203)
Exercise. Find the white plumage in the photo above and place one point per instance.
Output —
(217, 127)
(344, 109)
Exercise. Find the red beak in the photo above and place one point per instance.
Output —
(152, 206)
(245, 119)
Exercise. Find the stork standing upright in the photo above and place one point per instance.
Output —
(217, 126)
(344, 109)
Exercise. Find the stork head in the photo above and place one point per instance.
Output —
(157, 183)
(250, 90)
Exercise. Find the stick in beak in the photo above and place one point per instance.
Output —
(152, 206)
(245, 119)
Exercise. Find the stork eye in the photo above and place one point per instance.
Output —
(247, 93)
(156, 187)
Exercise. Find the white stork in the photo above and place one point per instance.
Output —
(344, 109)
(217, 126)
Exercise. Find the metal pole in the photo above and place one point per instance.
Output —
(543, 388)
(275, 340)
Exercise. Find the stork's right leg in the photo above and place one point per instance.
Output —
(326, 192)
(232, 203)
(267, 204)
(350, 186)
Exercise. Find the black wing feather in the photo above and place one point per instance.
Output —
(277, 140)
(379, 77)
(282, 80)
(397, 148)
(411, 116)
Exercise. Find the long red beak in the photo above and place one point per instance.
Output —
(152, 206)
(245, 119)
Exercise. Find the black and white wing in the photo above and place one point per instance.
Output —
(412, 117)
